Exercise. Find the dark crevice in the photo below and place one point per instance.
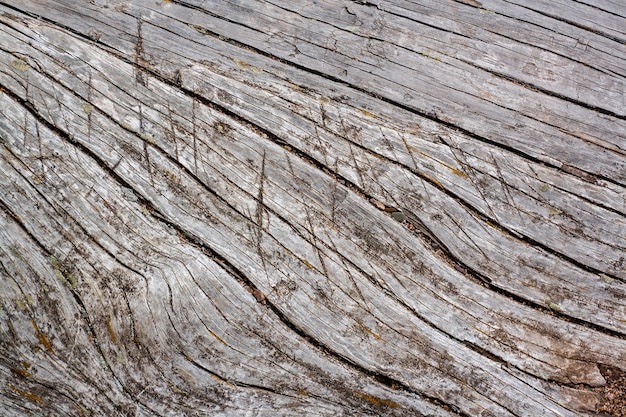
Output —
(87, 38)
(229, 381)
(429, 237)
(319, 165)
(428, 115)
(569, 215)
(306, 157)
(469, 273)
(387, 380)
(377, 376)
(595, 6)
(565, 35)
(549, 93)
(560, 188)
(232, 382)
(479, 277)
(476, 212)
(65, 214)
(506, 36)
(305, 365)
(218, 257)
(374, 153)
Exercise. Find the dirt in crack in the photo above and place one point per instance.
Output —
(613, 394)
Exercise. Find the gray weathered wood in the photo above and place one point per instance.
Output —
(330, 208)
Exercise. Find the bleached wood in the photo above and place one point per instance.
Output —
(327, 208)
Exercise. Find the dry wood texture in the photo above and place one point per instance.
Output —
(312, 207)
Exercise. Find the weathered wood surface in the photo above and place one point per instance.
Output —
(308, 206)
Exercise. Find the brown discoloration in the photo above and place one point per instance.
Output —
(379, 401)
(32, 397)
(581, 399)
(581, 373)
(22, 372)
(258, 294)
(43, 339)
(111, 331)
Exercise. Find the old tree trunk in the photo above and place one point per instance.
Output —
(312, 207)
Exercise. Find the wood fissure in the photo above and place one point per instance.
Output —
(326, 208)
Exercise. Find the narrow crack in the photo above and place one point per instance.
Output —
(512, 79)
(428, 115)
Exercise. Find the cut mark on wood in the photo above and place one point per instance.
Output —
(318, 163)
(358, 190)
(195, 136)
(459, 268)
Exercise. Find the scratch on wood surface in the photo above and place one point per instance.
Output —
(260, 207)
(404, 289)
(194, 123)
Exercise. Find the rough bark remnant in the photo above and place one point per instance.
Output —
(325, 208)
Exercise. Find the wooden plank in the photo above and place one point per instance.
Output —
(590, 17)
(497, 54)
(519, 24)
(421, 91)
(194, 286)
(229, 229)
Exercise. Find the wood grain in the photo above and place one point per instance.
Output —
(330, 208)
